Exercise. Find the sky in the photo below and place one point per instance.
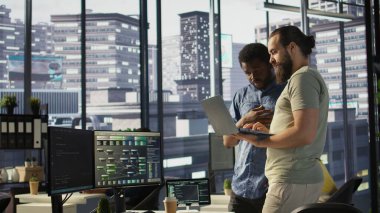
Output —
(239, 17)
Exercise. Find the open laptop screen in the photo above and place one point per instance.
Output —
(189, 191)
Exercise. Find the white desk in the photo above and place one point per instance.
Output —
(40, 203)
(44, 208)
(141, 211)
(76, 198)
(219, 204)
(160, 211)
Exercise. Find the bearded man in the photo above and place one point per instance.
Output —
(299, 124)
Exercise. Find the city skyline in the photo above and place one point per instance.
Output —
(249, 16)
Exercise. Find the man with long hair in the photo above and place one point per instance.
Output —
(299, 124)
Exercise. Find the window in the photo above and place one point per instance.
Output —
(328, 44)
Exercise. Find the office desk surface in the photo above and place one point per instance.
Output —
(76, 198)
(44, 208)
(181, 211)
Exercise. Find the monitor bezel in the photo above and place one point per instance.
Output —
(52, 192)
(189, 179)
(135, 184)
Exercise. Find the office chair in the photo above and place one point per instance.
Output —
(326, 208)
(4, 201)
(345, 192)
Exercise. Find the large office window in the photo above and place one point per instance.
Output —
(12, 36)
(56, 57)
(12, 45)
(153, 69)
(113, 64)
(186, 81)
(345, 73)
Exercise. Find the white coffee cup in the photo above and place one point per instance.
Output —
(170, 204)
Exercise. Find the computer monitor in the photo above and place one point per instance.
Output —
(69, 160)
(127, 158)
(221, 158)
(189, 191)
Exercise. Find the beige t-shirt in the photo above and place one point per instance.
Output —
(305, 89)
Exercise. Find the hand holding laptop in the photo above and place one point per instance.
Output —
(221, 120)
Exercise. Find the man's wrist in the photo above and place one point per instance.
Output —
(262, 142)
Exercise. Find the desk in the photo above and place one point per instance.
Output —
(141, 211)
(44, 208)
(219, 203)
(78, 202)
(76, 198)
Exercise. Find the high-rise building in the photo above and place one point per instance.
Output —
(171, 62)
(328, 58)
(112, 50)
(348, 6)
(12, 40)
(234, 77)
(195, 56)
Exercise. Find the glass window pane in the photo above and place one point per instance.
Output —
(56, 59)
(12, 37)
(113, 64)
(328, 57)
(152, 67)
(185, 69)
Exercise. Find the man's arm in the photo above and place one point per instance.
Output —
(258, 114)
(230, 141)
(302, 133)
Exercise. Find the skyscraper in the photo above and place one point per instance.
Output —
(112, 50)
(171, 62)
(12, 39)
(195, 56)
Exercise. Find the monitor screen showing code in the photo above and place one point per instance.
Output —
(70, 160)
(189, 191)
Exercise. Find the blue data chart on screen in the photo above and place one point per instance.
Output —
(127, 158)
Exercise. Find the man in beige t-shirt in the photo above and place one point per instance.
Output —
(299, 124)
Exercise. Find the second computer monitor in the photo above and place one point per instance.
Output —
(127, 158)
(221, 158)
(189, 191)
(69, 160)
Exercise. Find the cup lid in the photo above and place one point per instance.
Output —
(170, 199)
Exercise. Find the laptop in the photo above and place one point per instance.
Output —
(221, 120)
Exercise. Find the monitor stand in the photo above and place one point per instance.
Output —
(190, 208)
(56, 203)
(119, 199)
